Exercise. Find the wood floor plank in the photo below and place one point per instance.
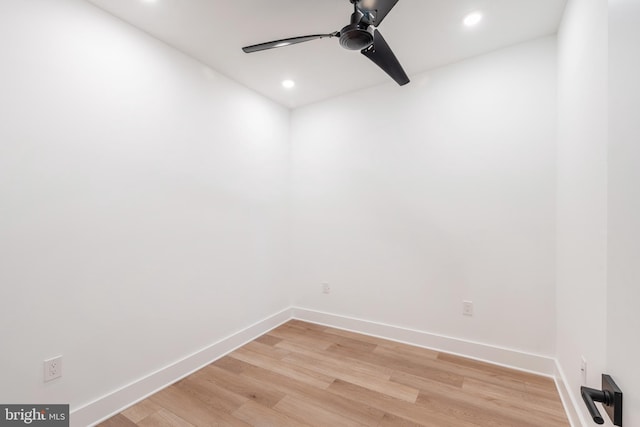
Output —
(541, 389)
(424, 382)
(241, 385)
(141, 410)
(272, 351)
(309, 338)
(427, 367)
(193, 410)
(306, 325)
(547, 403)
(488, 410)
(400, 408)
(486, 401)
(485, 370)
(164, 418)
(313, 413)
(378, 383)
(211, 393)
(339, 360)
(400, 352)
(349, 409)
(330, 332)
(467, 368)
(357, 346)
(118, 421)
(268, 340)
(303, 374)
(232, 365)
(260, 416)
(389, 420)
(408, 350)
(475, 412)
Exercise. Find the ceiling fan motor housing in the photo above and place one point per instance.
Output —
(356, 36)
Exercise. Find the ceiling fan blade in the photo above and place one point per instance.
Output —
(382, 55)
(287, 42)
(379, 9)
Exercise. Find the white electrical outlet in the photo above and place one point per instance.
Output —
(467, 308)
(326, 289)
(583, 370)
(52, 368)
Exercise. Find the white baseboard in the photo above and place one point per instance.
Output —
(522, 361)
(571, 406)
(113, 403)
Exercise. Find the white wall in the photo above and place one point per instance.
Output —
(582, 193)
(623, 287)
(408, 201)
(142, 202)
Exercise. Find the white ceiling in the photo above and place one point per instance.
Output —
(424, 34)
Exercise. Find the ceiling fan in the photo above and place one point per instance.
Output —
(361, 34)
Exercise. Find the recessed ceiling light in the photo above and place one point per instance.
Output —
(288, 84)
(472, 19)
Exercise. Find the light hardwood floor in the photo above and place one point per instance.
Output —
(302, 374)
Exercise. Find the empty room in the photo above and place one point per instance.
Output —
(265, 213)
